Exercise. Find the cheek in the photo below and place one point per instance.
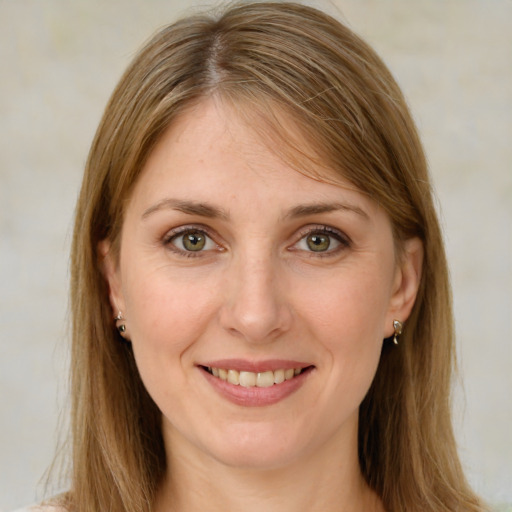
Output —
(348, 319)
(166, 314)
(350, 309)
(166, 317)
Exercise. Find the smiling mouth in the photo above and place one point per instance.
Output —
(255, 379)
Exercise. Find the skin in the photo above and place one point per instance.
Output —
(257, 291)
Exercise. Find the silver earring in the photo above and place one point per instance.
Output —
(398, 326)
(121, 327)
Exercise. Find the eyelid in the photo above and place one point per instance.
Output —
(343, 239)
(173, 233)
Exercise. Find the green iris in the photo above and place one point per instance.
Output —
(194, 241)
(317, 242)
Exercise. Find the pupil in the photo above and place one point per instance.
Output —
(193, 241)
(318, 242)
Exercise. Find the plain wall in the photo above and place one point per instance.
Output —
(60, 60)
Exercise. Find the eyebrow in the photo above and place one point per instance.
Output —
(190, 207)
(316, 208)
(207, 210)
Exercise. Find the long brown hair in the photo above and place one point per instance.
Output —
(266, 57)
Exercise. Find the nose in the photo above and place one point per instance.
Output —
(255, 308)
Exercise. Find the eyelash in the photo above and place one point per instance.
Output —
(342, 239)
(181, 231)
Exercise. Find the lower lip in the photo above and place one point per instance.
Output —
(255, 396)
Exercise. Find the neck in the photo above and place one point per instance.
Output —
(317, 482)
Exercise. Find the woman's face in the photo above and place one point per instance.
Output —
(233, 265)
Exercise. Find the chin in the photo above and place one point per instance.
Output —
(260, 458)
(258, 447)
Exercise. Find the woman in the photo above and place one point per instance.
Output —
(261, 306)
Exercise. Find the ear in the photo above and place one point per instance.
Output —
(110, 269)
(406, 283)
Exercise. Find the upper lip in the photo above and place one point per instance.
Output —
(245, 365)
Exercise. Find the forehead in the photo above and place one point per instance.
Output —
(214, 152)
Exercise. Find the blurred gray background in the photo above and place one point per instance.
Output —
(59, 61)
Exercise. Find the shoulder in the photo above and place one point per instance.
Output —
(41, 508)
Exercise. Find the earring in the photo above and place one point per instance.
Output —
(121, 327)
(398, 326)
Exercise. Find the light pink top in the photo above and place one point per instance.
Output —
(41, 508)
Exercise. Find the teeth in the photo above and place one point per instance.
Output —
(265, 379)
(278, 376)
(233, 377)
(252, 379)
(247, 379)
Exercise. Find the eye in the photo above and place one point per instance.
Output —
(322, 240)
(318, 242)
(191, 241)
